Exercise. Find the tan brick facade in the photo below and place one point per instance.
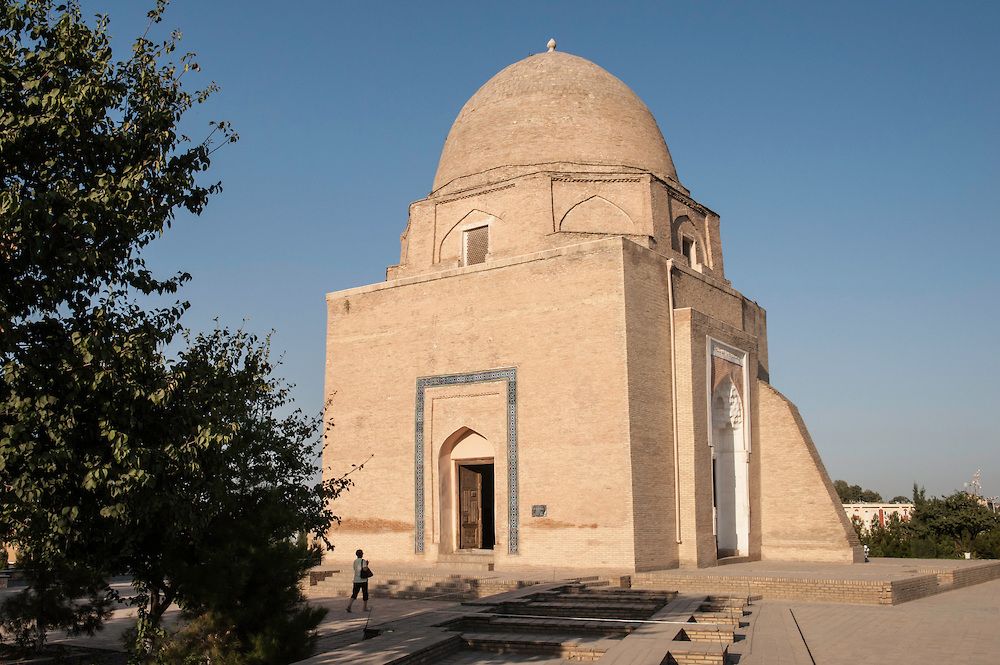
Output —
(573, 359)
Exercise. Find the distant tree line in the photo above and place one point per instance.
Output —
(938, 528)
(857, 494)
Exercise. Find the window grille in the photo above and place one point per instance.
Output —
(477, 245)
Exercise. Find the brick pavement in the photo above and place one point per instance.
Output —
(341, 629)
(960, 627)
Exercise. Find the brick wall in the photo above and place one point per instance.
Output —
(802, 518)
(647, 328)
(558, 317)
(976, 574)
(833, 591)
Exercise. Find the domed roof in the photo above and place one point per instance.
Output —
(548, 109)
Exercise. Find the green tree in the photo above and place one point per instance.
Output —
(855, 493)
(73, 453)
(870, 496)
(951, 523)
(93, 165)
(889, 540)
(113, 456)
(987, 544)
(859, 528)
(92, 169)
(223, 532)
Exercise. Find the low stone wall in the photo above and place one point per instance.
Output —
(985, 572)
(944, 580)
(913, 588)
(862, 592)
(926, 582)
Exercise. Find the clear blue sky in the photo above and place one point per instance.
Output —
(852, 149)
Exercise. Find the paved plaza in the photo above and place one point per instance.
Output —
(960, 627)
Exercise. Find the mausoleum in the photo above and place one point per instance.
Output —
(558, 371)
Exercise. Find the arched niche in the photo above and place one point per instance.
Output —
(451, 246)
(596, 215)
(730, 470)
(466, 491)
(690, 242)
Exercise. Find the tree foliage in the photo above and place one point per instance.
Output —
(93, 166)
(229, 543)
(92, 169)
(855, 493)
(945, 527)
(114, 456)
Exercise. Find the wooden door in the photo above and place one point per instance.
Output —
(470, 491)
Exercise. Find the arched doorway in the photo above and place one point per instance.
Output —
(730, 471)
(467, 492)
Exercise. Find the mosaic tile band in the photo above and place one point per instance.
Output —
(486, 376)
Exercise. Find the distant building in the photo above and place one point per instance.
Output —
(992, 503)
(866, 512)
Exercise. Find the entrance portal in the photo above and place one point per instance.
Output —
(475, 507)
(730, 470)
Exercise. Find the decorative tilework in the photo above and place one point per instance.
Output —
(508, 374)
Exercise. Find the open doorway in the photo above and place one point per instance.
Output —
(730, 465)
(476, 520)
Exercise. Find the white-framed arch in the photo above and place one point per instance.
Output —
(728, 402)
(688, 239)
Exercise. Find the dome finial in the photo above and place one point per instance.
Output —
(551, 45)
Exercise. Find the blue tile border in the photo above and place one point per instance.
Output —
(485, 376)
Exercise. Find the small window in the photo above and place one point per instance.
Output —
(477, 245)
(690, 249)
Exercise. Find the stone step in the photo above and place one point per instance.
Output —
(712, 633)
(663, 596)
(734, 612)
(721, 607)
(595, 584)
(391, 588)
(735, 622)
(719, 604)
(482, 561)
(658, 652)
(698, 653)
(564, 610)
(410, 584)
(491, 624)
(466, 556)
(651, 604)
(567, 646)
(470, 566)
(609, 604)
(737, 601)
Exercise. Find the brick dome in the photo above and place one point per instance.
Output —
(551, 111)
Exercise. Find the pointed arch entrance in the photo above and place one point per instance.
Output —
(467, 491)
(730, 452)
(509, 519)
